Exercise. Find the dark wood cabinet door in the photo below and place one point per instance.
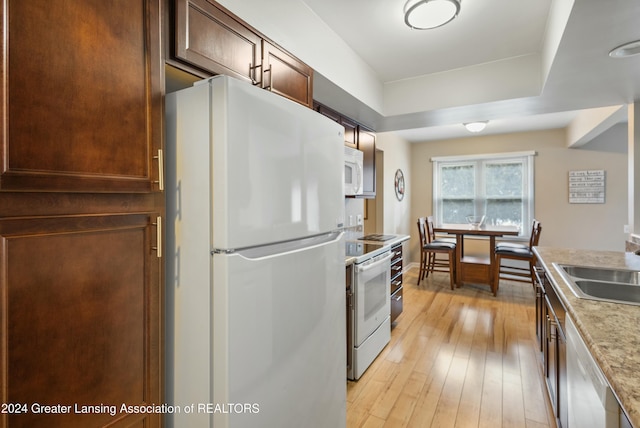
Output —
(81, 95)
(80, 180)
(396, 282)
(552, 357)
(367, 144)
(81, 316)
(350, 127)
(361, 138)
(350, 132)
(396, 304)
(211, 39)
(325, 111)
(286, 75)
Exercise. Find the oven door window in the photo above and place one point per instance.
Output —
(372, 300)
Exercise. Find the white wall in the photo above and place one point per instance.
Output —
(397, 155)
(295, 27)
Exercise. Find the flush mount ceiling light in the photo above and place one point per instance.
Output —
(427, 14)
(626, 50)
(476, 126)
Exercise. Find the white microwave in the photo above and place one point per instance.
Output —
(353, 172)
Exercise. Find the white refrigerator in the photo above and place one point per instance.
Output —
(255, 297)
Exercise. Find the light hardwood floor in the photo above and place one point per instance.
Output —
(457, 358)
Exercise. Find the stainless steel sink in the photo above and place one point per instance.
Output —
(603, 284)
(603, 274)
(610, 290)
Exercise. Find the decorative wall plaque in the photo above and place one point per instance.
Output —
(399, 184)
(587, 187)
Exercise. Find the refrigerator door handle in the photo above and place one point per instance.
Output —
(275, 250)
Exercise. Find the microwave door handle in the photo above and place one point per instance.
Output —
(359, 174)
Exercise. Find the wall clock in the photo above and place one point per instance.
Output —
(399, 184)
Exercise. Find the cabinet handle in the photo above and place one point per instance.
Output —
(160, 158)
(158, 247)
(252, 74)
(396, 268)
(396, 282)
(398, 298)
(268, 70)
(538, 274)
(551, 323)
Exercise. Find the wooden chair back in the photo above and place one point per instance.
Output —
(431, 235)
(536, 229)
(429, 249)
(422, 231)
(516, 273)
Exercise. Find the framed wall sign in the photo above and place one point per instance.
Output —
(399, 184)
(586, 187)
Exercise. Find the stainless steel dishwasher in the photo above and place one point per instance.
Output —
(591, 402)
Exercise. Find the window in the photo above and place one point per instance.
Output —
(499, 186)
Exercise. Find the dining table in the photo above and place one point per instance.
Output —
(477, 269)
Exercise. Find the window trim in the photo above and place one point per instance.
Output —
(482, 159)
(457, 158)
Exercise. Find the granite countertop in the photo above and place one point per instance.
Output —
(611, 331)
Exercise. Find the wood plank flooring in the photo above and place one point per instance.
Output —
(457, 358)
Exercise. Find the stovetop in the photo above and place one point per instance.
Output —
(377, 237)
(364, 251)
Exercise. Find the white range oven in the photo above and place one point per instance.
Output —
(369, 304)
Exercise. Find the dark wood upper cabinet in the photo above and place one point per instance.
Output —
(350, 132)
(81, 96)
(210, 38)
(350, 126)
(367, 144)
(361, 138)
(286, 75)
(326, 111)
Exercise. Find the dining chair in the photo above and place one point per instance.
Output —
(518, 253)
(430, 248)
(437, 262)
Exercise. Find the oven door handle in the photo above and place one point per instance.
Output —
(377, 263)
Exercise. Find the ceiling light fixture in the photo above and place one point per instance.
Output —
(476, 126)
(427, 14)
(626, 50)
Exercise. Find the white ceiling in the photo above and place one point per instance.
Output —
(489, 35)
(375, 29)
